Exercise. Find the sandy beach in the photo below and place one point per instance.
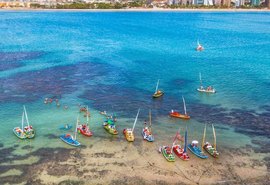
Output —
(107, 162)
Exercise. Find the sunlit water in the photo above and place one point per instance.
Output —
(112, 61)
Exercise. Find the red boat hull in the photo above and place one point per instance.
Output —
(180, 153)
(178, 115)
(88, 134)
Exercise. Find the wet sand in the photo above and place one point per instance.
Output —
(108, 162)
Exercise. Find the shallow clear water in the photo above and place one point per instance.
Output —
(111, 61)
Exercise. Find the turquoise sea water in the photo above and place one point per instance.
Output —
(111, 61)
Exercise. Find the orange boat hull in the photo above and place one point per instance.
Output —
(178, 115)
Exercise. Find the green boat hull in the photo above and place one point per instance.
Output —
(168, 157)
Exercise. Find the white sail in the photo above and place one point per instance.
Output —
(157, 86)
(200, 78)
(150, 120)
(185, 109)
(75, 132)
(22, 119)
(136, 120)
(214, 133)
(203, 139)
(87, 118)
(26, 117)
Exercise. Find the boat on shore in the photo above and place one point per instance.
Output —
(193, 147)
(167, 153)
(209, 89)
(177, 114)
(147, 130)
(26, 132)
(84, 129)
(109, 126)
(177, 149)
(212, 150)
(69, 139)
(128, 132)
(158, 93)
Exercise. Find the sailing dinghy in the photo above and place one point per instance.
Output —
(147, 130)
(177, 114)
(212, 150)
(158, 93)
(128, 132)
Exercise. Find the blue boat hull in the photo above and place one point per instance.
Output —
(149, 138)
(69, 140)
(196, 151)
(63, 127)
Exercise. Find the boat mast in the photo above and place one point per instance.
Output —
(203, 139)
(87, 118)
(200, 78)
(136, 120)
(185, 147)
(185, 109)
(75, 132)
(214, 133)
(26, 117)
(157, 86)
(150, 120)
(22, 119)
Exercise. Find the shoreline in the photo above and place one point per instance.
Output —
(136, 10)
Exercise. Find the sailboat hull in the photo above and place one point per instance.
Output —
(166, 152)
(206, 91)
(179, 152)
(69, 140)
(19, 133)
(129, 136)
(178, 115)
(196, 151)
(146, 136)
(109, 129)
(86, 132)
(157, 95)
(211, 151)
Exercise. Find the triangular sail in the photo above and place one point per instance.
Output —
(150, 121)
(198, 43)
(214, 133)
(135, 120)
(75, 132)
(185, 147)
(200, 75)
(203, 139)
(87, 118)
(185, 109)
(26, 117)
(22, 119)
(157, 86)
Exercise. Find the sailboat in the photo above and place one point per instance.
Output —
(84, 128)
(26, 132)
(176, 114)
(109, 126)
(199, 47)
(128, 132)
(158, 93)
(209, 89)
(147, 131)
(69, 139)
(212, 150)
(177, 149)
(167, 153)
(193, 147)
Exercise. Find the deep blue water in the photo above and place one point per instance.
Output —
(111, 61)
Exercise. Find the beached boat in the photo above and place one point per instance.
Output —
(158, 93)
(65, 127)
(212, 150)
(84, 128)
(193, 147)
(128, 132)
(147, 130)
(177, 114)
(167, 153)
(199, 47)
(69, 139)
(177, 149)
(26, 132)
(209, 89)
(109, 126)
